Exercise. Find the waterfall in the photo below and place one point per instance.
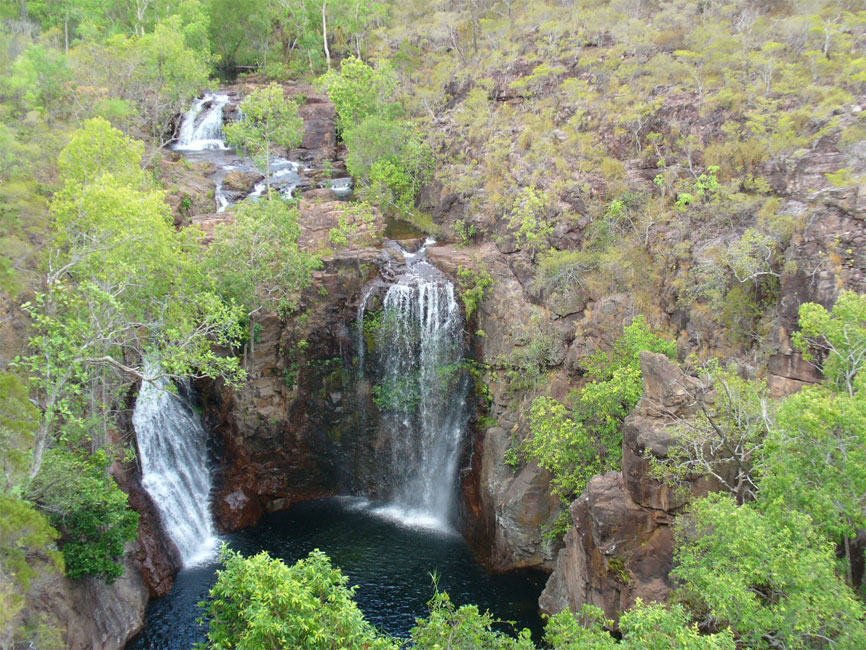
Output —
(420, 390)
(203, 128)
(173, 456)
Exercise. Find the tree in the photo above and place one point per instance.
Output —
(256, 262)
(151, 77)
(18, 420)
(770, 576)
(816, 462)
(360, 91)
(529, 221)
(269, 120)
(726, 437)
(91, 512)
(120, 285)
(390, 162)
(234, 28)
(839, 334)
(575, 446)
(24, 534)
(260, 603)
(647, 626)
(449, 626)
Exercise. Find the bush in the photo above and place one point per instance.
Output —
(89, 509)
(259, 602)
(575, 446)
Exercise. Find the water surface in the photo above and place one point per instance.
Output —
(391, 562)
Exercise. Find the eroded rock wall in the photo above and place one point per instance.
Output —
(620, 547)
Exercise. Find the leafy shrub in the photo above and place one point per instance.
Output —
(88, 508)
(259, 602)
(575, 445)
(473, 284)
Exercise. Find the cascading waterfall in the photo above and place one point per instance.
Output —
(203, 129)
(173, 456)
(420, 390)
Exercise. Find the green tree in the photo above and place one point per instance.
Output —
(449, 626)
(529, 221)
(390, 162)
(647, 626)
(40, 79)
(24, 534)
(360, 91)
(839, 334)
(260, 603)
(816, 462)
(18, 420)
(575, 445)
(143, 80)
(770, 576)
(269, 120)
(236, 29)
(256, 262)
(91, 512)
(120, 285)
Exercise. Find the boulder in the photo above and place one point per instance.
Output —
(241, 182)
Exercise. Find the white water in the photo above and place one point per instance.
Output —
(173, 456)
(203, 129)
(422, 393)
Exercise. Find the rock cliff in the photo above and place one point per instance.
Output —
(620, 547)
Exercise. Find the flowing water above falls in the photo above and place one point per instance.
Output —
(201, 138)
(420, 388)
(202, 126)
(173, 456)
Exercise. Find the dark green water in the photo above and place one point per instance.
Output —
(391, 564)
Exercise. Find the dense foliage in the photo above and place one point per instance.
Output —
(578, 443)
(259, 602)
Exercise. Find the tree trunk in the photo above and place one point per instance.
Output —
(325, 33)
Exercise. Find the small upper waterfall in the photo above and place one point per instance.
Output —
(173, 455)
(420, 389)
(202, 126)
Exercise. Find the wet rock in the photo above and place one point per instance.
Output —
(156, 554)
(241, 182)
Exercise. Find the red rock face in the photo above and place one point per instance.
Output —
(155, 554)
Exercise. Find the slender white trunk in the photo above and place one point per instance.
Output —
(325, 33)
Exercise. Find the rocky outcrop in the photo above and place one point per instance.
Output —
(320, 138)
(85, 614)
(620, 547)
(156, 555)
(520, 505)
(241, 182)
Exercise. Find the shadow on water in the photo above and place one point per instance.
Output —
(391, 564)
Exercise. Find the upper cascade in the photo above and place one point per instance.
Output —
(174, 468)
(202, 126)
(420, 389)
